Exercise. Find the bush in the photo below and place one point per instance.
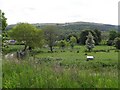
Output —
(110, 42)
(117, 42)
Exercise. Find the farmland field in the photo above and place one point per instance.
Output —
(59, 44)
(66, 68)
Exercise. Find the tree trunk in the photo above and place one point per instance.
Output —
(51, 49)
(25, 48)
(89, 49)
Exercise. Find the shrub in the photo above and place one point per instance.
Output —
(117, 42)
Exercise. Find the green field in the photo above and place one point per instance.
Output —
(66, 68)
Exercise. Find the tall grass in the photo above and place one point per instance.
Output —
(63, 70)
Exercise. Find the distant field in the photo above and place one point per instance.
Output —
(66, 68)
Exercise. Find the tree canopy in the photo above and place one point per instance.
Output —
(96, 34)
(90, 42)
(62, 43)
(4, 21)
(112, 34)
(50, 34)
(73, 41)
(3, 26)
(28, 34)
(117, 42)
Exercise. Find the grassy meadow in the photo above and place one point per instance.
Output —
(66, 68)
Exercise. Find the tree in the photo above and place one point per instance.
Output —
(61, 36)
(104, 37)
(112, 35)
(73, 41)
(3, 27)
(118, 35)
(50, 34)
(90, 42)
(72, 34)
(98, 34)
(117, 42)
(62, 43)
(83, 35)
(28, 34)
(0, 31)
(4, 22)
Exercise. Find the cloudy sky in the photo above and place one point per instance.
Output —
(60, 11)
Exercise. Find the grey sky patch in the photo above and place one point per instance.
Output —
(30, 8)
(60, 11)
(119, 13)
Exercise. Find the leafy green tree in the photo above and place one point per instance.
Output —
(73, 41)
(104, 38)
(112, 35)
(0, 31)
(117, 42)
(83, 36)
(61, 36)
(3, 27)
(28, 34)
(4, 22)
(72, 34)
(62, 43)
(90, 42)
(118, 35)
(50, 34)
(98, 36)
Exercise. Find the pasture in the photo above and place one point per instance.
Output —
(66, 68)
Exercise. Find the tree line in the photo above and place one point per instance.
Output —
(50, 35)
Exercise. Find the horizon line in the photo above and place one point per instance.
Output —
(64, 23)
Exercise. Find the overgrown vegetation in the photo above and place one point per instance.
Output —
(28, 63)
(63, 70)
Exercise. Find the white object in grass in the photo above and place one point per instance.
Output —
(90, 57)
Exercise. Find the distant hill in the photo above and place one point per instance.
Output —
(76, 26)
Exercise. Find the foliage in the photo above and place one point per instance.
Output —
(28, 34)
(104, 38)
(62, 43)
(118, 34)
(77, 26)
(74, 34)
(50, 34)
(109, 42)
(73, 41)
(112, 35)
(3, 28)
(13, 48)
(84, 33)
(117, 42)
(4, 21)
(90, 42)
(98, 34)
(72, 71)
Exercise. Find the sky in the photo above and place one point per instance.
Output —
(60, 11)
